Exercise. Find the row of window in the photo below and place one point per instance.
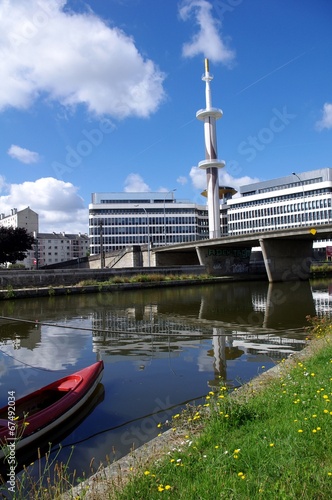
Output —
(290, 185)
(152, 230)
(324, 216)
(150, 211)
(281, 209)
(118, 242)
(138, 221)
(277, 199)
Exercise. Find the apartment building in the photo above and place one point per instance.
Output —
(52, 248)
(26, 218)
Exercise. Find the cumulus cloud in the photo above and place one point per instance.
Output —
(198, 178)
(23, 155)
(326, 120)
(57, 203)
(134, 183)
(73, 58)
(207, 41)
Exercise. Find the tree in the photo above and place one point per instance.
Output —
(14, 244)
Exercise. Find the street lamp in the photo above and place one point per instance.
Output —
(303, 196)
(148, 227)
(171, 191)
(102, 263)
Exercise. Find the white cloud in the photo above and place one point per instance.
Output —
(207, 41)
(73, 58)
(198, 178)
(182, 180)
(57, 203)
(134, 183)
(326, 120)
(23, 155)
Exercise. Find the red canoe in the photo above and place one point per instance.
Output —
(43, 410)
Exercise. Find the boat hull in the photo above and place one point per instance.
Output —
(42, 411)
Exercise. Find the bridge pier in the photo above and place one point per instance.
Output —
(286, 259)
(224, 261)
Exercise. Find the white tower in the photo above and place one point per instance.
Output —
(209, 115)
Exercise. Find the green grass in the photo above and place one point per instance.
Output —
(275, 444)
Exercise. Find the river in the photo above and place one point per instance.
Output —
(161, 348)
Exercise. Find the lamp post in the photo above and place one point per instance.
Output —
(303, 196)
(101, 245)
(148, 227)
(171, 191)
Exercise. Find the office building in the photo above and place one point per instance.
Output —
(117, 220)
(286, 202)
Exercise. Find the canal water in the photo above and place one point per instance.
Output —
(162, 348)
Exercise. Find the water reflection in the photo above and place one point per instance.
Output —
(161, 348)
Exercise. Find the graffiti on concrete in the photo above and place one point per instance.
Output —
(242, 253)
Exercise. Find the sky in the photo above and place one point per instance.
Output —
(101, 96)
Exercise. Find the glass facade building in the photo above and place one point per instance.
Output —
(117, 220)
(287, 202)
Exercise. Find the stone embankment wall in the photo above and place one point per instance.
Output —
(65, 277)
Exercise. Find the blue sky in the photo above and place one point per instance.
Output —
(99, 96)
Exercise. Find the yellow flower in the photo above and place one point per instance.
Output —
(146, 473)
(271, 445)
(240, 474)
(300, 430)
(161, 488)
(167, 487)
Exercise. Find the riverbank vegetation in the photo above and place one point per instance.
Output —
(271, 439)
(145, 278)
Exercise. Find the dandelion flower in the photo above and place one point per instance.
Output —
(300, 430)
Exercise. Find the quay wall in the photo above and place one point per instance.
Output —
(71, 277)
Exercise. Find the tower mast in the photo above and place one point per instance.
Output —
(211, 164)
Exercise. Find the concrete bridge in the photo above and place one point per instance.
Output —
(287, 253)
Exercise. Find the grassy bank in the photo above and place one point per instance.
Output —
(271, 440)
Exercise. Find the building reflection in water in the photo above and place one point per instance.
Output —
(266, 322)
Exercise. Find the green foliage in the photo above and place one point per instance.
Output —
(14, 244)
(10, 294)
(16, 266)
